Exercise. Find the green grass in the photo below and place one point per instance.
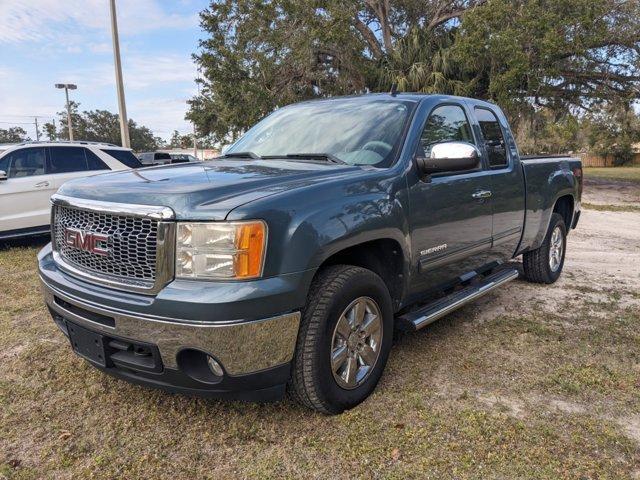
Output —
(467, 397)
(625, 174)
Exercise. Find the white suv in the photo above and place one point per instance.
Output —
(31, 172)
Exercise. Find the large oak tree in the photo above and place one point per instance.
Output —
(560, 55)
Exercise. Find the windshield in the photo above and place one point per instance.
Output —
(356, 131)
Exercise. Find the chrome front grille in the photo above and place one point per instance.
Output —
(131, 244)
(135, 243)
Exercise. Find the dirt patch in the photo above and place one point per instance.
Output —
(631, 426)
(611, 192)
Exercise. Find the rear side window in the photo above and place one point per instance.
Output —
(493, 138)
(447, 123)
(162, 156)
(94, 162)
(26, 162)
(67, 159)
(125, 157)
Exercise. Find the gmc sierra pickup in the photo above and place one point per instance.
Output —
(286, 264)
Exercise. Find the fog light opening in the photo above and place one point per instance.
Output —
(214, 366)
(200, 366)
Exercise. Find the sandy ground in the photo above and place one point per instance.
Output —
(609, 192)
(531, 381)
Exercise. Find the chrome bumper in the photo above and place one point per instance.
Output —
(241, 347)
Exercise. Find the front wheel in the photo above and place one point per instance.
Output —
(344, 340)
(544, 265)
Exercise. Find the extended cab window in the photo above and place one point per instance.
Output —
(493, 138)
(26, 162)
(67, 159)
(447, 123)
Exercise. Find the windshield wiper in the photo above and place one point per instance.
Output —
(317, 156)
(240, 155)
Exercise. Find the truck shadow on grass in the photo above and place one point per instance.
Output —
(37, 241)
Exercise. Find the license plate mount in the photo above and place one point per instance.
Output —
(87, 344)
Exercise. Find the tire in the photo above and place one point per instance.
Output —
(538, 264)
(338, 290)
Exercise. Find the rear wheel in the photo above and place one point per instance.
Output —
(344, 340)
(545, 264)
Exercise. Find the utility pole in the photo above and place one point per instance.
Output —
(195, 137)
(37, 129)
(195, 142)
(124, 124)
(67, 87)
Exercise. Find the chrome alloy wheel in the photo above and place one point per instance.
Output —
(556, 247)
(356, 342)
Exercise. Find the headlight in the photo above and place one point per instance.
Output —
(221, 250)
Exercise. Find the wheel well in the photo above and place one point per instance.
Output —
(384, 257)
(564, 206)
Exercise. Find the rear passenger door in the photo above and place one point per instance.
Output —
(67, 163)
(506, 179)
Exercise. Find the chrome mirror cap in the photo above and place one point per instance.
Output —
(449, 157)
(454, 150)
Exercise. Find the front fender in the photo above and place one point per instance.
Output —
(310, 224)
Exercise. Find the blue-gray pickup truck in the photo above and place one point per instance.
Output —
(286, 264)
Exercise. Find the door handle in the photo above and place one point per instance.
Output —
(42, 184)
(482, 194)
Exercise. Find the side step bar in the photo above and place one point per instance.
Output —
(417, 319)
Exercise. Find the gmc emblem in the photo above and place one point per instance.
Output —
(95, 243)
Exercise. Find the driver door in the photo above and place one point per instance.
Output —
(450, 213)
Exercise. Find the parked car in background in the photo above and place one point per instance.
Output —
(31, 172)
(149, 159)
(182, 158)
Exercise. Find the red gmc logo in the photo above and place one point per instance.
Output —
(95, 243)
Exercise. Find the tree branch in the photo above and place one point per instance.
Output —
(444, 16)
(380, 9)
(369, 37)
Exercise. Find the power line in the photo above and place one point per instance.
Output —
(27, 116)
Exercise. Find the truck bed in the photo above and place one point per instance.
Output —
(547, 179)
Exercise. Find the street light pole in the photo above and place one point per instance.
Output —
(67, 87)
(124, 124)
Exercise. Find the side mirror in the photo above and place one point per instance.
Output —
(449, 157)
(3, 175)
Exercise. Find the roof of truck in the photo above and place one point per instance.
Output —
(406, 96)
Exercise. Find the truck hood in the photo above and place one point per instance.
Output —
(207, 190)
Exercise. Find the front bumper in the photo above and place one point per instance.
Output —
(255, 354)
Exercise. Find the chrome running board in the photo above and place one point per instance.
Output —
(417, 319)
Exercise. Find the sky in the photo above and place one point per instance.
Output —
(43, 42)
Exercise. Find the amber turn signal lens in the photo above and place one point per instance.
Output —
(250, 240)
